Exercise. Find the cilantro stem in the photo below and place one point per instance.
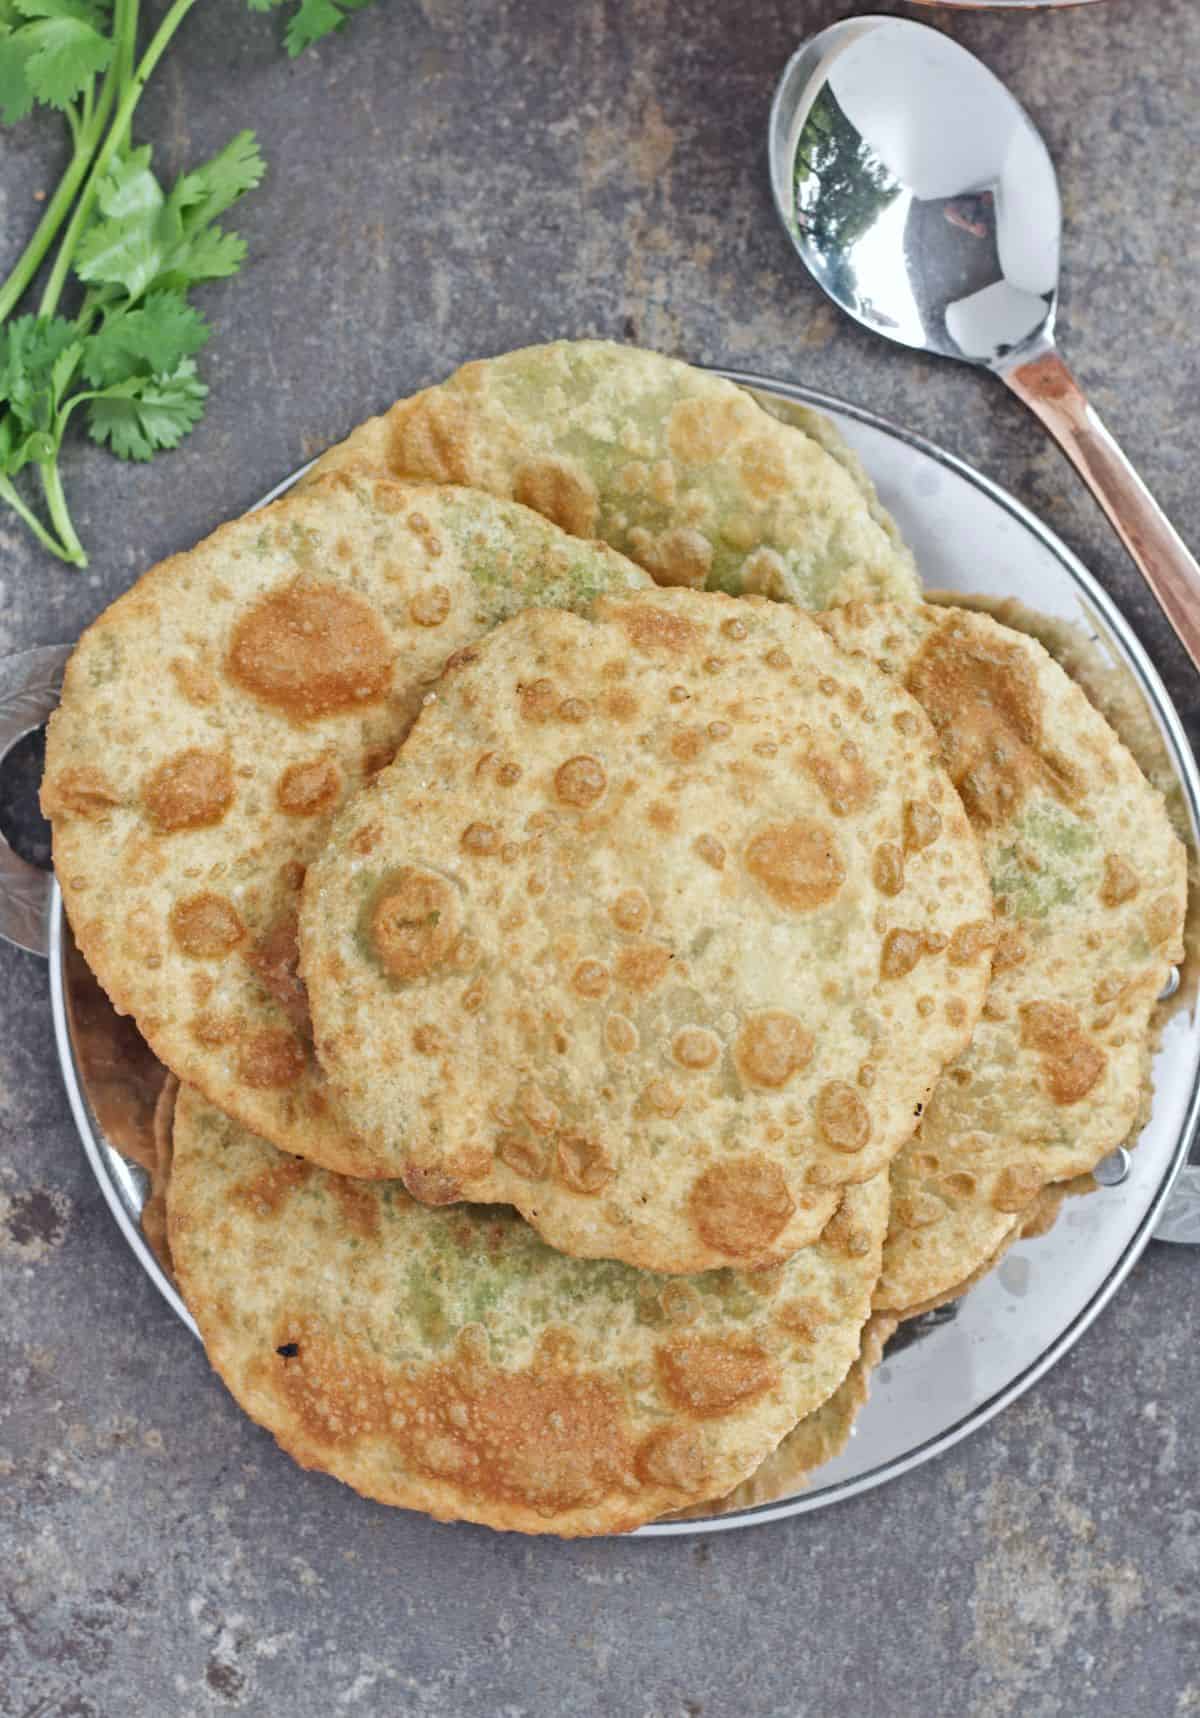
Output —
(118, 131)
(126, 30)
(9, 494)
(72, 549)
(86, 143)
(132, 84)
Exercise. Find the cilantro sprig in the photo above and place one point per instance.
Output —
(129, 250)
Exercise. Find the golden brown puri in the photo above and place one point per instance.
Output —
(678, 469)
(213, 720)
(449, 1361)
(1090, 890)
(816, 1440)
(660, 928)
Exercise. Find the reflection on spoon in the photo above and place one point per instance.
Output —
(923, 201)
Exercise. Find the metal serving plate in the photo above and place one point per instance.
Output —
(946, 1374)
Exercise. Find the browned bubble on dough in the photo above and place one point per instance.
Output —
(970, 941)
(274, 959)
(887, 868)
(481, 839)
(197, 683)
(1120, 881)
(84, 791)
(664, 1098)
(642, 966)
(709, 1375)
(681, 556)
(740, 1206)
(770, 1048)
(652, 629)
(700, 431)
(192, 790)
(844, 780)
(1071, 1063)
(983, 698)
(620, 1034)
(1162, 919)
(580, 781)
(429, 607)
(414, 923)
(922, 825)
(590, 978)
(1010, 950)
(538, 700)
(582, 1163)
(524, 1154)
(843, 1236)
(1015, 1188)
(799, 864)
(688, 743)
(900, 953)
(311, 650)
(842, 1117)
(560, 492)
(206, 926)
(694, 1047)
(307, 789)
(674, 1455)
(270, 1058)
(631, 911)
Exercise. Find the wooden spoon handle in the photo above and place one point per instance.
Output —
(1051, 392)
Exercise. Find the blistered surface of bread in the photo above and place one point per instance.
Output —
(819, 1437)
(682, 471)
(1090, 889)
(653, 1058)
(215, 717)
(449, 1361)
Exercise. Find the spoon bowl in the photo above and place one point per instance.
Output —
(923, 201)
(934, 221)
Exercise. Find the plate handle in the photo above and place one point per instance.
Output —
(1180, 1220)
(30, 684)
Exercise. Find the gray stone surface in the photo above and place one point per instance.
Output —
(450, 179)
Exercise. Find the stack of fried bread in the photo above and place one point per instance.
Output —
(622, 951)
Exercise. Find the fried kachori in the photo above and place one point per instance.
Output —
(449, 1361)
(215, 717)
(1090, 887)
(660, 928)
(676, 467)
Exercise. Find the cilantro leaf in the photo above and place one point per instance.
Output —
(137, 424)
(145, 240)
(149, 341)
(210, 255)
(313, 19)
(38, 356)
(207, 191)
(317, 18)
(16, 97)
(120, 253)
(129, 187)
(63, 45)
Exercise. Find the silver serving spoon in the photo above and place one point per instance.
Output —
(924, 202)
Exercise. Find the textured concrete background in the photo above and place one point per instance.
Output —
(449, 179)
